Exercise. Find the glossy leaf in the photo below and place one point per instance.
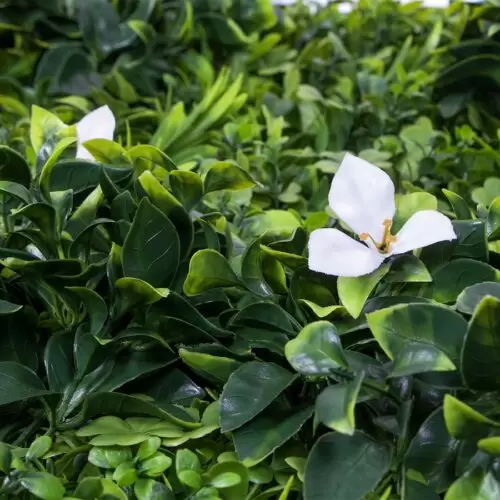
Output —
(208, 269)
(18, 383)
(344, 467)
(316, 350)
(249, 390)
(259, 438)
(335, 405)
(151, 251)
(353, 292)
(481, 349)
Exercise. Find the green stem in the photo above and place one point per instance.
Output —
(252, 492)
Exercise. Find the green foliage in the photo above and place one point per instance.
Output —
(162, 336)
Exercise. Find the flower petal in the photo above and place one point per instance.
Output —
(99, 124)
(333, 252)
(362, 196)
(422, 229)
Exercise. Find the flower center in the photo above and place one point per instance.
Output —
(387, 238)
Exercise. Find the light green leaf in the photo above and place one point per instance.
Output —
(353, 292)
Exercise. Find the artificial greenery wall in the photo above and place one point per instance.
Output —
(163, 334)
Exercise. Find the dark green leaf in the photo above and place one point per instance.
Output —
(481, 350)
(151, 249)
(335, 405)
(249, 390)
(344, 467)
(18, 383)
(259, 438)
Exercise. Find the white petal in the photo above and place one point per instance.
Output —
(99, 124)
(422, 229)
(333, 252)
(362, 196)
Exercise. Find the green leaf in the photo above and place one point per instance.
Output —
(106, 151)
(464, 422)
(450, 279)
(215, 368)
(433, 452)
(44, 126)
(481, 349)
(344, 467)
(13, 167)
(353, 292)
(462, 211)
(475, 484)
(422, 325)
(226, 175)
(137, 292)
(39, 447)
(18, 383)
(208, 269)
(493, 220)
(316, 350)
(48, 166)
(251, 270)
(416, 357)
(104, 425)
(148, 448)
(335, 405)
(230, 476)
(16, 190)
(97, 309)
(156, 465)
(270, 430)
(187, 187)
(151, 251)
(409, 204)
(470, 298)
(490, 445)
(149, 489)
(162, 199)
(249, 390)
(43, 485)
(5, 458)
(188, 468)
(8, 308)
(408, 269)
(271, 225)
(486, 194)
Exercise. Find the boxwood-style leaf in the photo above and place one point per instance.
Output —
(208, 269)
(316, 350)
(226, 175)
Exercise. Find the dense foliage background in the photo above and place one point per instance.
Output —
(161, 335)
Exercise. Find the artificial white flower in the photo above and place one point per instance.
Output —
(362, 196)
(98, 124)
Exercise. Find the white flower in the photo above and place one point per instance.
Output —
(99, 124)
(362, 196)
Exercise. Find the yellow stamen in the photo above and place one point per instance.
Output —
(387, 238)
